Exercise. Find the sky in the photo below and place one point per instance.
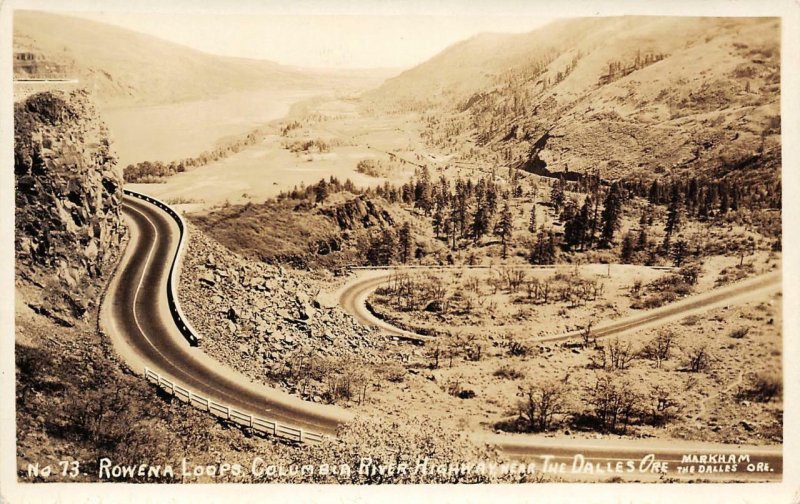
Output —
(369, 40)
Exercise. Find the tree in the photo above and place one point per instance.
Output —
(659, 349)
(543, 251)
(628, 247)
(381, 248)
(698, 358)
(587, 218)
(532, 221)
(654, 195)
(612, 212)
(438, 220)
(679, 252)
(724, 200)
(692, 194)
(505, 228)
(641, 241)
(461, 205)
(557, 195)
(480, 223)
(321, 191)
(404, 239)
(620, 353)
(675, 215)
(541, 402)
(647, 216)
(576, 230)
(613, 399)
(423, 197)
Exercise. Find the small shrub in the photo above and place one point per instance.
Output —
(734, 274)
(659, 348)
(763, 387)
(739, 333)
(664, 290)
(517, 349)
(395, 373)
(508, 372)
(466, 394)
(698, 359)
(455, 388)
(620, 353)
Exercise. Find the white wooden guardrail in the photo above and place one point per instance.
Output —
(258, 425)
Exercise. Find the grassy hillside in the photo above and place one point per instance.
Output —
(633, 94)
(127, 68)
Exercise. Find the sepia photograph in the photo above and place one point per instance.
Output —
(326, 247)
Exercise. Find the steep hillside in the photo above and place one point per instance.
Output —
(622, 95)
(128, 68)
(473, 64)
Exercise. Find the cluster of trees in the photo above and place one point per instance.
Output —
(408, 292)
(149, 172)
(383, 247)
(516, 77)
(332, 378)
(611, 404)
(615, 400)
(289, 127)
(308, 146)
(320, 191)
(705, 198)
(371, 167)
(464, 212)
(461, 212)
(517, 90)
(156, 171)
(571, 289)
(587, 225)
(618, 69)
(563, 74)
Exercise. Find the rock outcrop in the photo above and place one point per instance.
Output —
(262, 320)
(358, 213)
(68, 195)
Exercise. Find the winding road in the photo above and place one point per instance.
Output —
(353, 298)
(136, 316)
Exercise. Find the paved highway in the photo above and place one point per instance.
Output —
(354, 295)
(136, 317)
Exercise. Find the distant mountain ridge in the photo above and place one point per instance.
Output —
(619, 94)
(124, 67)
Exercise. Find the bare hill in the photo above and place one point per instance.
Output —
(129, 68)
(649, 94)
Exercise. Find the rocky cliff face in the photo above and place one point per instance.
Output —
(68, 194)
(357, 213)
